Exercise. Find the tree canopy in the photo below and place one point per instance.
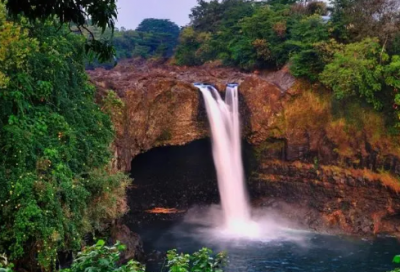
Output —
(353, 50)
(159, 26)
(153, 38)
(102, 13)
(55, 140)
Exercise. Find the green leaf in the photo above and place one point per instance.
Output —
(100, 243)
(121, 247)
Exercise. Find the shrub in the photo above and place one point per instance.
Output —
(101, 258)
(362, 69)
(200, 261)
(5, 266)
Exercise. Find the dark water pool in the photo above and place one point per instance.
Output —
(180, 177)
(289, 250)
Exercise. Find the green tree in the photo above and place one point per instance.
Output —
(160, 37)
(213, 32)
(354, 20)
(282, 2)
(317, 7)
(205, 17)
(362, 69)
(306, 60)
(267, 30)
(55, 144)
(102, 14)
(124, 43)
(159, 26)
(193, 47)
(227, 36)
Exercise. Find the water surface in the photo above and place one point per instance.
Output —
(288, 250)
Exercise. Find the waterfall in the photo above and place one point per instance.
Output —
(224, 121)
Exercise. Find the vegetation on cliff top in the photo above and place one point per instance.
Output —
(352, 47)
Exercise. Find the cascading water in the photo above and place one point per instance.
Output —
(225, 129)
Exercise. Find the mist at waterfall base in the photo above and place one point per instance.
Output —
(233, 219)
(254, 240)
(284, 251)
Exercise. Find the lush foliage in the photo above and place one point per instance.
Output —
(102, 258)
(5, 266)
(214, 28)
(354, 51)
(55, 145)
(362, 69)
(153, 38)
(396, 260)
(102, 14)
(306, 59)
(252, 34)
(158, 38)
(200, 261)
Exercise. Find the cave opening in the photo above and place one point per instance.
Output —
(169, 180)
(180, 177)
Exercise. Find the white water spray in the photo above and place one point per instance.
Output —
(226, 142)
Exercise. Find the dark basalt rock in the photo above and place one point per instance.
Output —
(132, 241)
(326, 202)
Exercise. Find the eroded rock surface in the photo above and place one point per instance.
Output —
(162, 107)
(327, 198)
(285, 121)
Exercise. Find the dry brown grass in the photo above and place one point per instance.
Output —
(346, 142)
(268, 177)
(389, 181)
(308, 111)
(386, 178)
(310, 117)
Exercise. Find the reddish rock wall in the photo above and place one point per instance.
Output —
(284, 122)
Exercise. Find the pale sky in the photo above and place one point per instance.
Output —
(132, 12)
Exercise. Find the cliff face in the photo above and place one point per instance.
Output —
(328, 198)
(287, 122)
(162, 107)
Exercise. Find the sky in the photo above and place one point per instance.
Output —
(132, 12)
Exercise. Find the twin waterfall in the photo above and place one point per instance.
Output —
(226, 143)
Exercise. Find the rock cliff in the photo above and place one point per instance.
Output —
(288, 123)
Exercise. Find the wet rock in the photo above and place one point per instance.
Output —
(134, 247)
(155, 256)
